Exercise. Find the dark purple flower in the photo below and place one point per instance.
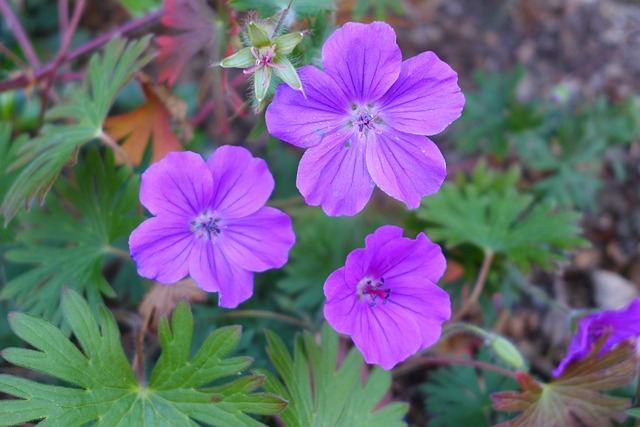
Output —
(386, 296)
(364, 119)
(210, 222)
(621, 325)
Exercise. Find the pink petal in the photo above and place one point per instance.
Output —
(406, 167)
(304, 119)
(363, 59)
(242, 183)
(425, 302)
(334, 175)
(386, 337)
(259, 241)
(180, 185)
(160, 247)
(425, 98)
(213, 272)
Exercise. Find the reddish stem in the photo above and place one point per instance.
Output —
(477, 288)
(26, 79)
(66, 42)
(19, 33)
(429, 360)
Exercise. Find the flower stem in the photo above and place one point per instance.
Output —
(432, 360)
(263, 314)
(117, 252)
(477, 287)
(120, 153)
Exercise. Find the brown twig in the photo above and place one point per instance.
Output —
(477, 287)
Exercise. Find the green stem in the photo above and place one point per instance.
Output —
(117, 252)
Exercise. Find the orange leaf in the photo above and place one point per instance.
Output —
(152, 120)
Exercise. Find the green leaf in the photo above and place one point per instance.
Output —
(138, 8)
(459, 395)
(379, 6)
(67, 242)
(299, 8)
(320, 394)
(102, 388)
(634, 412)
(491, 214)
(43, 157)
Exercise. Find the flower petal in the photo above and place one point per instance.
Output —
(428, 304)
(213, 272)
(425, 98)
(406, 167)
(259, 241)
(305, 121)
(180, 184)
(160, 247)
(341, 309)
(242, 183)
(363, 59)
(334, 175)
(386, 337)
(413, 261)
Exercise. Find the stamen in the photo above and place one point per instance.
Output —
(373, 290)
(207, 224)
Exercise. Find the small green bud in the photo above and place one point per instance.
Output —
(287, 42)
(261, 81)
(258, 35)
(505, 350)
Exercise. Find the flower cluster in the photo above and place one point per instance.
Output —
(621, 325)
(364, 121)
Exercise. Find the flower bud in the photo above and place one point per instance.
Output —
(505, 350)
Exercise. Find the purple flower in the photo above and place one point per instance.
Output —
(210, 222)
(364, 120)
(621, 325)
(386, 296)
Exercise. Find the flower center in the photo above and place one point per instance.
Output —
(371, 290)
(206, 225)
(365, 120)
(264, 59)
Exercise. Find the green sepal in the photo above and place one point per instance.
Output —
(260, 84)
(241, 59)
(259, 36)
(289, 74)
(287, 42)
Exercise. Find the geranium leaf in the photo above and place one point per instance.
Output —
(102, 388)
(86, 107)
(320, 394)
(67, 242)
(152, 120)
(193, 23)
(488, 212)
(573, 399)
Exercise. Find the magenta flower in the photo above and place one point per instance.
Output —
(364, 120)
(210, 222)
(622, 325)
(386, 296)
